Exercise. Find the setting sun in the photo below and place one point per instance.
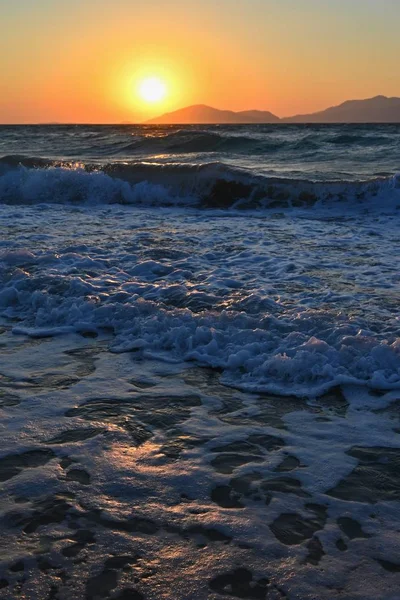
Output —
(152, 89)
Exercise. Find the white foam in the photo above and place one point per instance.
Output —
(276, 317)
(209, 184)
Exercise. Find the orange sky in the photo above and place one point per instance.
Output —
(83, 61)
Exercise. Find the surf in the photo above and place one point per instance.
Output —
(34, 180)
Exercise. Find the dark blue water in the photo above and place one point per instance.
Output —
(316, 152)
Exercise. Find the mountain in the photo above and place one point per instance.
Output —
(379, 109)
(258, 116)
(206, 115)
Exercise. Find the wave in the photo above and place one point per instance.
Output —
(193, 142)
(35, 180)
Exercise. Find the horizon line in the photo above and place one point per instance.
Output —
(252, 123)
(281, 120)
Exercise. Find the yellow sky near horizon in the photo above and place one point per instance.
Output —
(83, 62)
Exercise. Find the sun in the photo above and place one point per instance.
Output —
(152, 89)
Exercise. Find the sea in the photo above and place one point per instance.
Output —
(200, 362)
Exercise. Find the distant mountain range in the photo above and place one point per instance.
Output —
(373, 110)
(379, 109)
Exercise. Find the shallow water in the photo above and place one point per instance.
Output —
(130, 478)
(290, 303)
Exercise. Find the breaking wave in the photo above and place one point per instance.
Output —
(31, 180)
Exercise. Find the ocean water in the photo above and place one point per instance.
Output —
(200, 362)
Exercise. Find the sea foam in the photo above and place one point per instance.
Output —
(240, 295)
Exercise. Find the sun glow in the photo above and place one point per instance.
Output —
(146, 91)
(152, 90)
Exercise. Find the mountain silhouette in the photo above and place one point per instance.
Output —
(379, 109)
(206, 115)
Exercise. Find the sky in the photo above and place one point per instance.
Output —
(81, 61)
